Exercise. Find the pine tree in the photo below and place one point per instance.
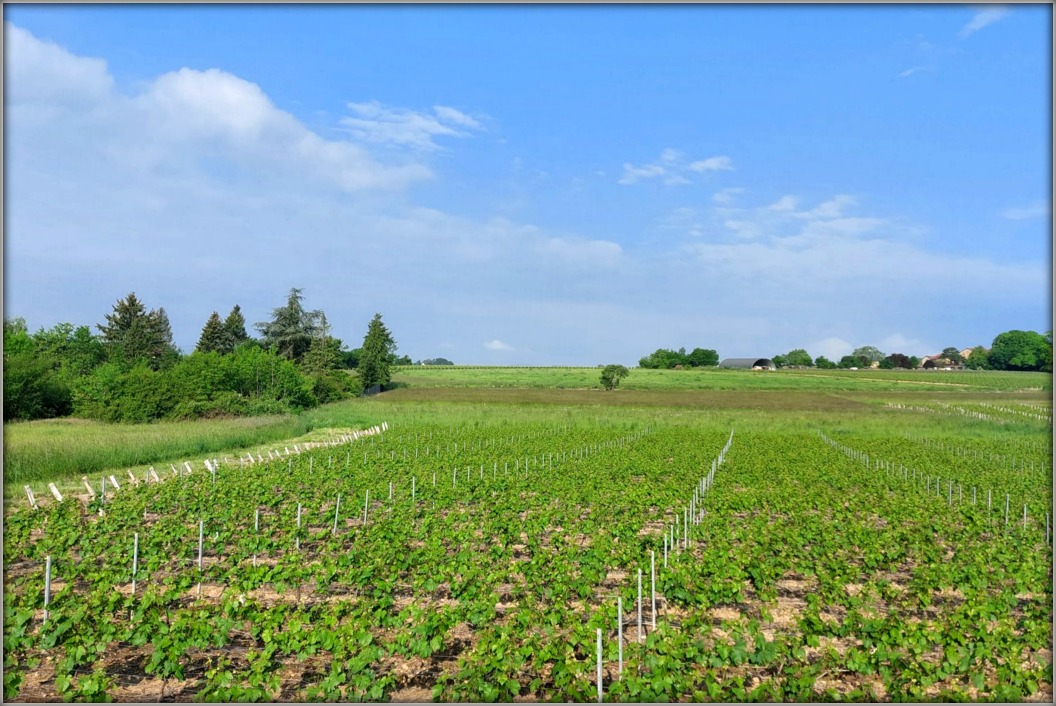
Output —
(214, 336)
(291, 328)
(132, 333)
(378, 347)
(323, 354)
(235, 325)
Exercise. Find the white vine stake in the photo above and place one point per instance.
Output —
(55, 492)
(619, 633)
(337, 509)
(29, 494)
(135, 561)
(201, 543)
(599, 665)
(298, 538)
(652, 569)
(47, 586)
(639, 605)
(366, 503)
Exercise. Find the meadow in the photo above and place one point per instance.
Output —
(841, 541)
(722, 379)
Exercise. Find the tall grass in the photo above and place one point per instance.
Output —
(43, 450)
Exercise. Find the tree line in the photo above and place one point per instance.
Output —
(130, 371)
(1011, 350)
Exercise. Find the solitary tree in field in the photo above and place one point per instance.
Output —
(214, 338)
(374, 356)
(291, 328)
(611, 376)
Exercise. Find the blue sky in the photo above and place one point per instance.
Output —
(538, 185)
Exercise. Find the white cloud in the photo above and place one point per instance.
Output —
(670, 156)
(833, 208)
(377, 123)
(671, 166)
(785, 203)
(832, 348)
(712, 164)
(914, 70)
(1025, 213)
(452, 115)
(632, 174)
(982, 18)
(497, 345)
(43, 72)
(726, 196)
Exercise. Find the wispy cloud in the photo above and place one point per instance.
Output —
(1025, 213)
(377, 123)
(727, 196)
(672, 169)
(497, 345)
(982, 18)
(712, 164)
(915, 70)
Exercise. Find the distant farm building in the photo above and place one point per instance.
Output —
(748, 364)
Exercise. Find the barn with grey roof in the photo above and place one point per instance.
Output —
(748, 364)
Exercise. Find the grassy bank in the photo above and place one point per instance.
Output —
(43, 450)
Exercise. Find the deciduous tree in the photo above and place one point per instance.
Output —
(1020, 350)
(871, 354)
(611, 376)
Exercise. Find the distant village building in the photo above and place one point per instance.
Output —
(748, 364)
(931, 362)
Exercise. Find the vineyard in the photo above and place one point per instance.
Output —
(626, 557)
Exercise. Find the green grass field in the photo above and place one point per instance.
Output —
(721, 379)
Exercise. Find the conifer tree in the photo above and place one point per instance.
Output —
(132, 333)
(215, 337)
(323, 354)
(291, 328)
(378, 347)
(235, 325)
